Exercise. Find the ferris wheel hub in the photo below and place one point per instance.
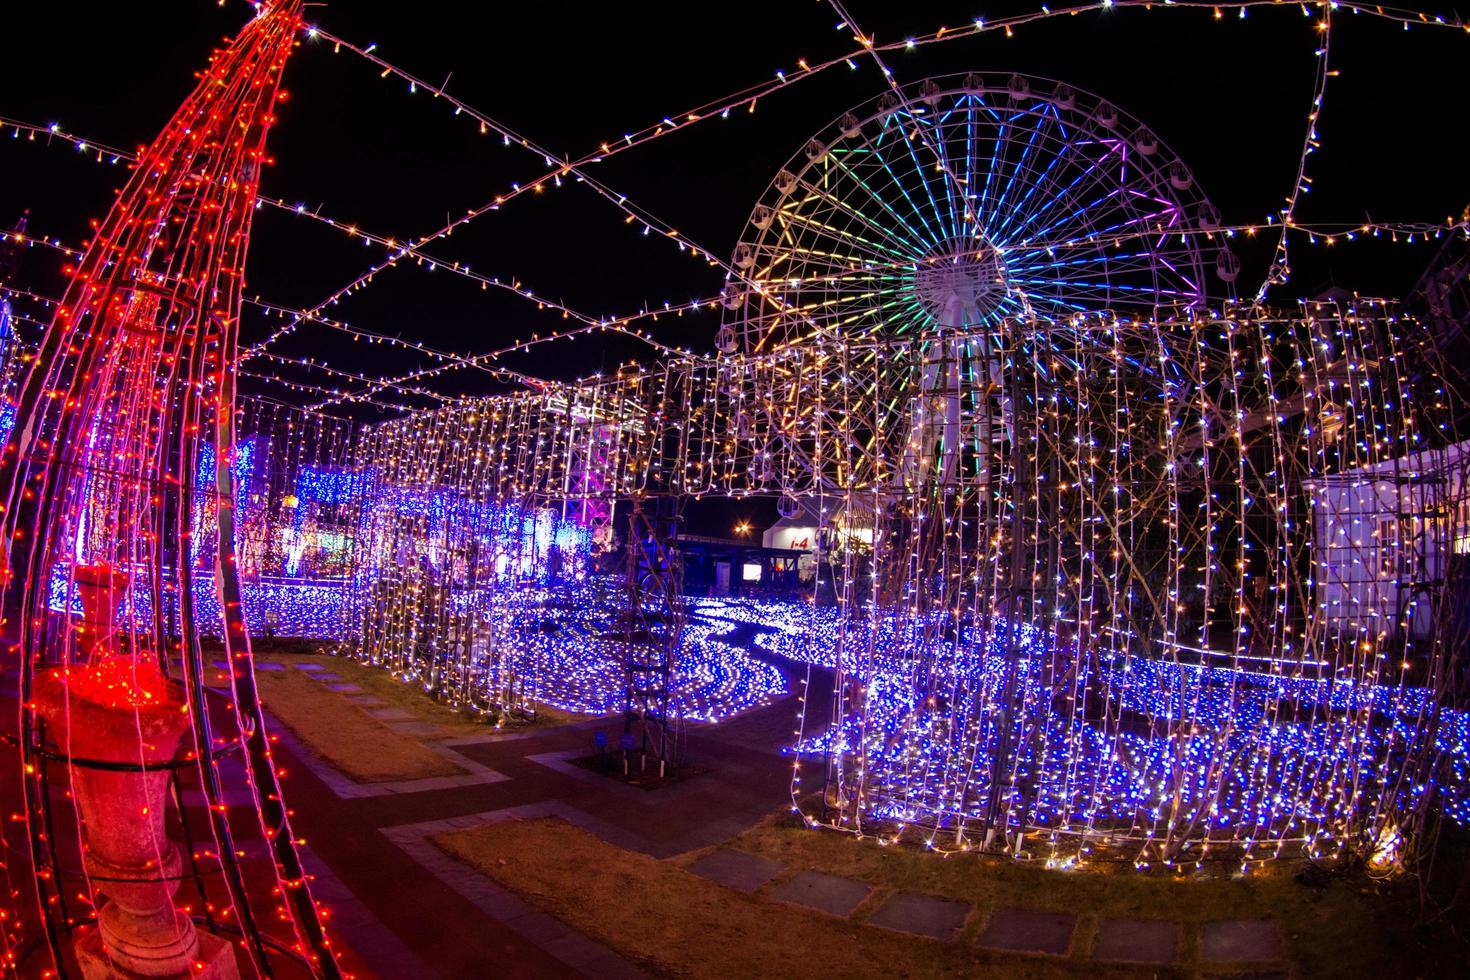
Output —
(962, 283)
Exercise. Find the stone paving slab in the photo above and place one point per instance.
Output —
(263, 666)
(367, 700)
(1241, 940)
(344, 688)
(921, 915)
(308, 666)
(355, 923)
(1023, 931)
(392, 714)
(1136, 941)
(327, 677)
(823, 892)
(737, 869)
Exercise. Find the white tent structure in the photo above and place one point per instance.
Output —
(1384, 537)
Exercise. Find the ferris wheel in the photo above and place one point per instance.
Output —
(968, 201)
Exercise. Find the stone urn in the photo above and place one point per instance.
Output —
(100, 587)
(117, 710)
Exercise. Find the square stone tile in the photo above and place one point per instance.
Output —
(1029, 932)
(391, 714)
(1136, 941)
(737, 869)
(345, 688)
(921, 915)
(825, 893)
(1241, 940)
(261, 666)
(366, 700)
(326, 676)
(308, 666)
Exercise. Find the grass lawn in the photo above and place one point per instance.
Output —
(656, 913)
(661, 916)
(344, 734)
(355, 743)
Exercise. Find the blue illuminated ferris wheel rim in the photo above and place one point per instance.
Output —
(971, 200)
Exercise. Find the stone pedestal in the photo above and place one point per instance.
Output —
(117, 710)
(100, 587)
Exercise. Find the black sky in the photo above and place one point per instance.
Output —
(1229, 96)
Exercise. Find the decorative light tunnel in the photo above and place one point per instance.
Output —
(1133, 597)
(1107, 564)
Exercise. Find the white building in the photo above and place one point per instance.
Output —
(802, 530)
(1383, 537)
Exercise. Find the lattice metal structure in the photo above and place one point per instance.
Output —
(133, 377)
(653, 622)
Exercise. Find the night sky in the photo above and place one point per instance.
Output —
(1230, 97)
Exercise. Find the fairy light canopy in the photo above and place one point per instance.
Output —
(387, 160)
(988, 311)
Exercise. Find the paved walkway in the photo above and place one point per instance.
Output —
(393, 882)
(406, 910)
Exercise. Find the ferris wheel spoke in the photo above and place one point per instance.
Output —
(1133, 227)
(903, 318)
(931, 147)
(915, 239)
(932, 235)
(1138, 229)
(821, 270)
(985, 209)
(1090, 180)
(789, 251)
(972, 209)
(892, 245)
(1062, 235)
(1193, 287)
(1039, 189)
(1002, 210)
(833, 251)
(951, 216)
